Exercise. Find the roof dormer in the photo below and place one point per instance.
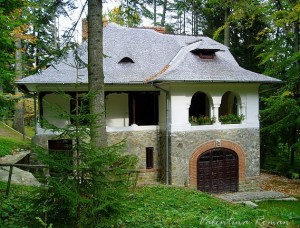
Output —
(205, 53)
(126, 60)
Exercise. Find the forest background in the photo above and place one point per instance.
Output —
(262, 35)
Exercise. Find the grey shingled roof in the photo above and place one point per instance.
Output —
(157, 57)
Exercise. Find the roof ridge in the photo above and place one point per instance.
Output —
(166, 67)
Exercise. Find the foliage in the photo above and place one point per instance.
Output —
(6, 107)
(158, 206)
(284, 211)
(18, 210)
(231, 119)
(276, 159)
(124, 16)
(87, 184)
(279, 55)
(10, 20)
(201, 120)
(7, 145)
(163, 206)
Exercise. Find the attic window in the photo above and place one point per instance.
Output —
(126, 60)
(205, 53)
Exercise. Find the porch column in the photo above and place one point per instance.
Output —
(187, 108)
(216, 114)
(243, 111)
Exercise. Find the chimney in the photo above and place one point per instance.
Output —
(155, 28)
(85, 30)
(160, 29)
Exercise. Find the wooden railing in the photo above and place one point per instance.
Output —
(21, 166)
(135, 173)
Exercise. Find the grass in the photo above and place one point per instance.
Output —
(163, 206)
(282, 211)
(7, 145)
(10, 140)
(17, 210)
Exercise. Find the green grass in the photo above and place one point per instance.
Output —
(10, 140)
(162, 206)
(285, 210)
(7, 145)
(18, 209)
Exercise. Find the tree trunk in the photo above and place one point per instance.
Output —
(154, 13)
(226, 30)
(296, 92)
(163, 18)
(18, 123)
(95, 74)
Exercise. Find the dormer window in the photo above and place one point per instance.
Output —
(205, 53)
(126, 60)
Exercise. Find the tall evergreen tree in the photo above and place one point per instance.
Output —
(280, 57)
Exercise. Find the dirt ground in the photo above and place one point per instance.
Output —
(271, 182)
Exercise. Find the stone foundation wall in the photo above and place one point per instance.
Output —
(184, 144)
(135, 144)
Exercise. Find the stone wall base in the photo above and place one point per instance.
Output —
(250, 184)
(148, 177)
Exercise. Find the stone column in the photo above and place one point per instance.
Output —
(216, 114)
(243, 111)
(187, 108)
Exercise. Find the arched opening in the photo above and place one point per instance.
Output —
(199, 111)
(217, 171)
(229, 111)
(200, 154)
(126, 60)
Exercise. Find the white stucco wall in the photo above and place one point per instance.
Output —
(117, 110)
(56, 108)
(181, 95)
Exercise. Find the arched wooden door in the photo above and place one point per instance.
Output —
(217, 171)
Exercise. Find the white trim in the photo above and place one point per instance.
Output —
(187, 128)
(132, 128)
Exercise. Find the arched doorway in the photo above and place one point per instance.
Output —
(218, 171)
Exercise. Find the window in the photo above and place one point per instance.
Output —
(61, 155)
(143, 108)
(149, 157)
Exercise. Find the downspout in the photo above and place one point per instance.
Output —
(168, 171)
(35, 113)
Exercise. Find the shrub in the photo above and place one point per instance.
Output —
(231, 119)
(201, 120)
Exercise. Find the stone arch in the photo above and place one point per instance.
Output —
(214, 144)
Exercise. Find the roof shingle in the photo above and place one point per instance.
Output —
(156, 57)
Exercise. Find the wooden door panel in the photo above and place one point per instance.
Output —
(217, 171)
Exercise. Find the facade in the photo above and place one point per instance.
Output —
(187, 110)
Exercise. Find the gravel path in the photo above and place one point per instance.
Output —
(252, 196)
(272, 187)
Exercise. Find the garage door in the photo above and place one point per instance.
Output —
(217, 171)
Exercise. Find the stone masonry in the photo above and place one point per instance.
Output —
(245, 142)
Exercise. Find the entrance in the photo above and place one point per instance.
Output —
(217, 171)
